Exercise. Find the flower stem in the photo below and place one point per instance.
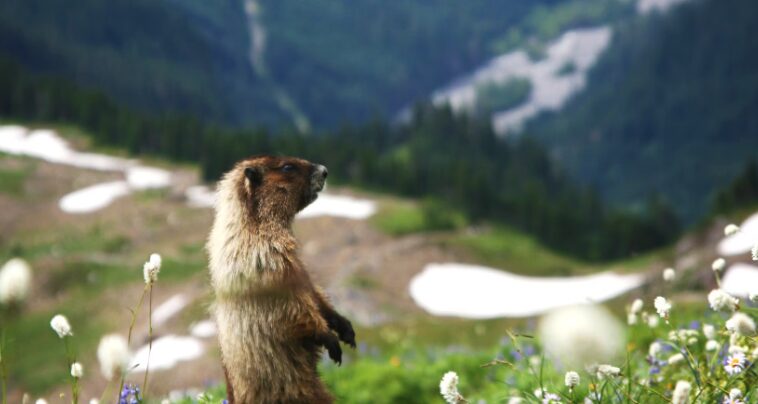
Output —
(149, 339)
(131, 327)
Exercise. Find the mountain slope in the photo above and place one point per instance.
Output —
(670, 109)
(244, 62)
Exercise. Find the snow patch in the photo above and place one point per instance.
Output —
(169, 308)
(203, 329)
(742, 241)
(93, 198)
(47, 145)
(649, 6)
(551, 88)
(339, 206)
(167, 352)
(472, 291)
(200, 196)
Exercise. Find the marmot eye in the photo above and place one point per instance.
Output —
(288, 168)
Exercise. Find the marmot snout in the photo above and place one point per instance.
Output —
(273, 321)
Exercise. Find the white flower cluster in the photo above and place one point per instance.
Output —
(662, 306)
(113, 355)
(731, 229)
(741, 324)
(722, 301)
(571, 379)
(684, 336)
(60, 325)
(449, 388)
(718, 264)
(77, 371)
(669, 274)
(151, 268)
(15, 280)
(681, 393)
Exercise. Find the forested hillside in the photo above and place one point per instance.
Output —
(454, 159)
(671, 108)
(268, 62)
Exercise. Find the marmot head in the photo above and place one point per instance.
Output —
(277, 187)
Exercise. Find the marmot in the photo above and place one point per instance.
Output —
(272, 320)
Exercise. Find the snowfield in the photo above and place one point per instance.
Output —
(479, 292)
(49, 146)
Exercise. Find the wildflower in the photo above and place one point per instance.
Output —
(754, 252)
(77, 371)
(730, 229)
(151, 268)
(712, 345)
(631, 319)
(607, 371)
(131, 395)
(655, 348)
(718, 264)
(449, 388)
(113, 354)
(675, 358)
(652, 321)
(94, 401)
(734, 397)
(722, 301)
(15, 279)
(709, 331)
(681, 393)
(662, 306)
(571, 379)
(60, 325)
(636, 306)
(735, 363)
(40, 401)
(669, 274)
(742, 324)
(551, 398)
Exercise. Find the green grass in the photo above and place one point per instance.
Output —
(501, 247)
(400, 217)
(12, 180)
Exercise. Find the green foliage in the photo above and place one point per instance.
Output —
(668, 109)
(494, 97)
(742, 192)
(401, 218)
(12, 181)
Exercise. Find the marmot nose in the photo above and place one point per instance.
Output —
(322, 170)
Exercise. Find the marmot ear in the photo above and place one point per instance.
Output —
(254, 175)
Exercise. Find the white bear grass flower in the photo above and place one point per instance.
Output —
(449, 388)
(113, 355)
(15, 280)
(61, 326)
(712, 345)
(151, 268)
(675, 358)
(731, 229)
(77, 371)
(681, 393)
(604, 371)
(662, 306)
(571, 379)
(709, 331)
(669, 274)
(636, 306)
(742, 324)
(718, 264)
(722, 301)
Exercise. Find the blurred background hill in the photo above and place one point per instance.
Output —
(548, 137)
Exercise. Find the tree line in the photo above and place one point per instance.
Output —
(454, 158)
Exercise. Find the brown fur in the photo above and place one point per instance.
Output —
(272, 320)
